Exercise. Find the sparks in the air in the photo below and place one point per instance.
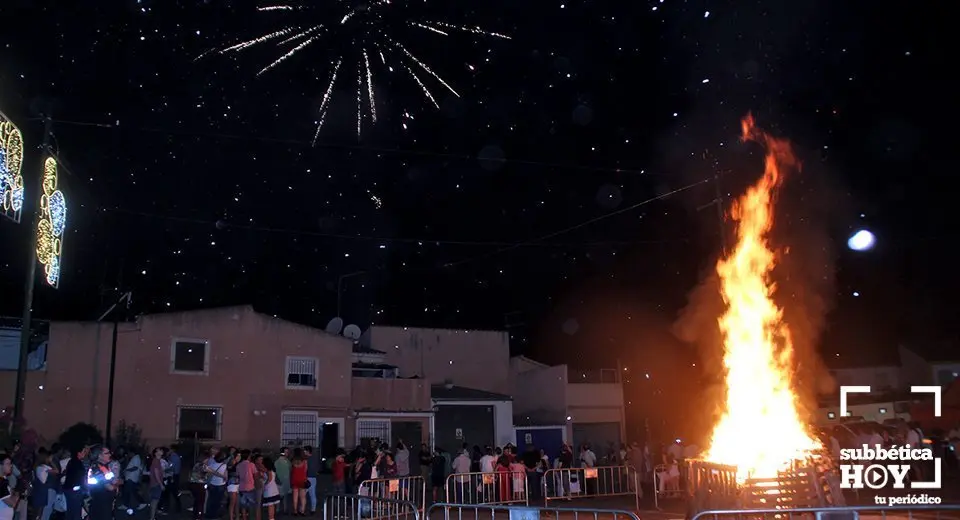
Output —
(355, 32)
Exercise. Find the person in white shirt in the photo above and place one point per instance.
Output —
(488, 461)
(132, 473)
(676, 450)
(461, 464)
(587, 458)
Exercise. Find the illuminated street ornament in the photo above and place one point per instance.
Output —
(53, 222)
(11, 179)
(862, 240)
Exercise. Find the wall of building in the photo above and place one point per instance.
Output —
(246, 374)
(476, 359)
(394, 395)
(539, 392)
(878, 378)
(875, 412)
(914, 369)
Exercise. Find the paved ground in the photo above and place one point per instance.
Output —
(665, 509)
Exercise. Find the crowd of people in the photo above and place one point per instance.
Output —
(94, 482)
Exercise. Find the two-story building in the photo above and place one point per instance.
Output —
(469, 374)
(553, 404)
(227, 375)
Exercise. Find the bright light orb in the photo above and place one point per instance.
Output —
(862, 240)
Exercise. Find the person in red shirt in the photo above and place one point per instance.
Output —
(339, 473)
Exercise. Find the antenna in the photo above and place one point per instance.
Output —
(335, 326)
(352, 332)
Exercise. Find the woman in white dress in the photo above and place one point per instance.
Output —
(271, 491)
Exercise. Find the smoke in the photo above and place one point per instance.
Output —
(804, 278)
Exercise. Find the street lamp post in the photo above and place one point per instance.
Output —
(340, 286)
(30, 282)
(126, 297)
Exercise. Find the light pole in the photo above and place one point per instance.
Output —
(126, 297)
(30, 282)
(340, 286)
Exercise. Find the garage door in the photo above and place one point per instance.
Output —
(455, 425)
(600, 436)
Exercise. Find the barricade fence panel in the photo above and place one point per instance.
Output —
(409, 489)
(448, 511)
(357, 507)
(667, 482)
(499, 487)
(908, 512)
(603, 481)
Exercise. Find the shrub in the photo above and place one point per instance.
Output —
(80, 435)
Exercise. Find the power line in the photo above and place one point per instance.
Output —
(367, 148)
(225, 225)
(580, 225)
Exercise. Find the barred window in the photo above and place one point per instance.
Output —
(299, 429)
(301, 372)
(373, 431)
(200, 423)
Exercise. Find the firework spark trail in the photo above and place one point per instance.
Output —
(373, 104)
(261, 39)
(474, 30)
(428, 28)
(424, 67)
(423, 87)
(325, 104)
(297, 36)
(290, 53)
(359, 100)
(303, 34)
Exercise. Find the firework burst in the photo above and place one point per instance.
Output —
(368, 28)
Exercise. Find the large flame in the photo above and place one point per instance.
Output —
(761, 429)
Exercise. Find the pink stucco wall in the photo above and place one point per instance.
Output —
(246, 376)
(477, 359)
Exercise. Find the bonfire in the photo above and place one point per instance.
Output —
(761, 430)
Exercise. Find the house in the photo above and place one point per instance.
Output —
(469, 376)
(440, 355)
(876, 407)
(554, 404)
(931, 364)
(227, 375)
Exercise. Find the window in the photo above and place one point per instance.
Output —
(373, 430)
(200, 423)
(831, 415)
(302, 372)
(883, 411)
(298, 429)
(190, 356)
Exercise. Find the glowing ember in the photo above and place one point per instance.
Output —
(760, 430)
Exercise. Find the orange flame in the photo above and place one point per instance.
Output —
(760, 430)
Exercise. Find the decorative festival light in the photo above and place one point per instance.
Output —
(52, 223)
(11, 161)
(364, 27)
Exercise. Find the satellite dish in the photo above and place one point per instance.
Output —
(335, 326)
(352, 331)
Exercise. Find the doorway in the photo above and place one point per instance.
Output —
(329, 439)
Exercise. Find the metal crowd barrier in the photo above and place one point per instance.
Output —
(603, 481)
(498, 487)
(492, 512)
(409, 489)
(918, 512)
(709, 486)
(666, 485)
(357, 507)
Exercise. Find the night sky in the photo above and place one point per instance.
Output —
(537, 200)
